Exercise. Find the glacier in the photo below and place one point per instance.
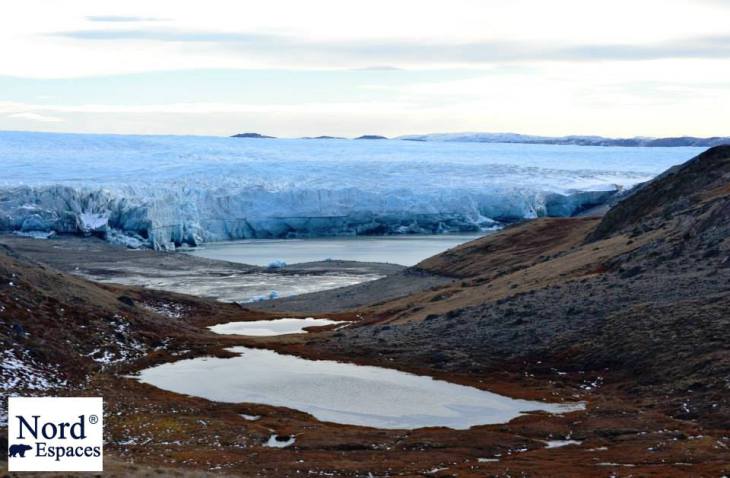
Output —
(167, 191)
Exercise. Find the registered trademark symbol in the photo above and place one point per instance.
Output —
(93, 419)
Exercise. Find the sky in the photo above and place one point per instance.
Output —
(294, 68)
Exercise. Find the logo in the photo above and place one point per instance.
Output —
(55, 434)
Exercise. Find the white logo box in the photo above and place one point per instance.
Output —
(55, 434)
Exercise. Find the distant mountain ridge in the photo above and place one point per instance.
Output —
(371, 137)
(253, 135)
(516, 138)
(638, 141)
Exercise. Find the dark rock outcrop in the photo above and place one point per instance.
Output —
(672, 192)
(252, 135)
(371, 136)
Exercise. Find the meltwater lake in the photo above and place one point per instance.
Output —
(230, 285)
(341, 392)
(406, 250)
(335, 391)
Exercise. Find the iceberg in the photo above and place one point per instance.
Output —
(167, 191)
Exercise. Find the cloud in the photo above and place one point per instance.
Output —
(27, 110)
(180, 36)
(398, 52)
(379, 68)
(707, 47)
(122, 19)
(35, 117)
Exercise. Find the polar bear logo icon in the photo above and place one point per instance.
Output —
(18, 450)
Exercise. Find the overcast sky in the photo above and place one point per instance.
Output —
(294, 68)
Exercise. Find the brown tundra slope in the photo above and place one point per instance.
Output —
(640, 297)
(628, 312)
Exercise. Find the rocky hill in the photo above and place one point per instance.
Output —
(639, 297)
(57, 329)
(685, 191)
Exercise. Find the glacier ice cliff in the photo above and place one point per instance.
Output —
(165, 191)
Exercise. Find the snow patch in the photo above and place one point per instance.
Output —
(121, 345)
(18, 371)
(170, 310)
(276, 441)
(561, 443)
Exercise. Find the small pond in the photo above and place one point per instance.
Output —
(340, 392)
(269, 328)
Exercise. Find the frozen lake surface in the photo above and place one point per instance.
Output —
(229, 285)
(406, 250)
(236, 287)
(340, 392)
(269, 328)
